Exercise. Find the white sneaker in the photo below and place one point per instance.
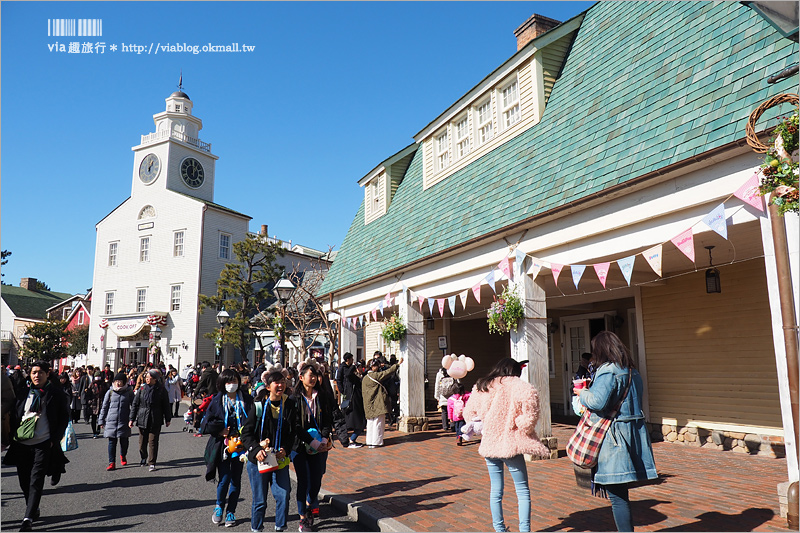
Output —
(355, 445)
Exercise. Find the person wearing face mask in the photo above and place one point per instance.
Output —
(223, 421)
(149, 410)
(114, 415)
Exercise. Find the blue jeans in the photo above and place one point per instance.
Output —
(309, 470)
(230, 475)
(260, 483)
(620, 506)
(112, 448)
(519, 473)
(458, 425)
(355, 434)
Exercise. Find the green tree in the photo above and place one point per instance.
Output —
(4, 259)
(41, 286)
(46, 341)
(78, 340)
(243, 289)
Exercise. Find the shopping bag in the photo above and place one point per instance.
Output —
(69, 441)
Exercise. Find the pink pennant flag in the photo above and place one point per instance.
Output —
(685, 243)
(440, 303)
(476, 290)
(374, 315)
(653, 256)
(555, 268)
(749, 193)
(421, 299)
(536, 266)
(388, 299)
(503, 266)
(602, 272)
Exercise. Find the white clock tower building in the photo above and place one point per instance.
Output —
(161, 248)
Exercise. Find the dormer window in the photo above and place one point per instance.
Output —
(510, 102)
(483, 119)
(463, 145)
(375, 197)
(442, 151)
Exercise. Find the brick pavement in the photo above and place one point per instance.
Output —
(424, 482)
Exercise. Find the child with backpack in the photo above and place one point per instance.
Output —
(455, 411)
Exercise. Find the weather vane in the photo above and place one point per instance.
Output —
(180, 81)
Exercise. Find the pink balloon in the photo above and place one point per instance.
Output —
(470, 364)
(457, 370)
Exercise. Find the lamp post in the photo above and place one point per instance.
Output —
(283, 291)
(222, 319)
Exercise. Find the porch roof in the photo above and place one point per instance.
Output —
(645, 86)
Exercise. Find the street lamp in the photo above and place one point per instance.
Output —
(222, 319)
(283, 291)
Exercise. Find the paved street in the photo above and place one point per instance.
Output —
(175, 497)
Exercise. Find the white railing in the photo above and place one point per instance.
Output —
(283, 244)
(164, 134)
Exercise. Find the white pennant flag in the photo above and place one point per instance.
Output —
(577, 273)
(463, 298)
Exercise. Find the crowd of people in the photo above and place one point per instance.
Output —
(264, 419)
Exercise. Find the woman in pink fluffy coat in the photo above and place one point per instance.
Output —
(509, 409)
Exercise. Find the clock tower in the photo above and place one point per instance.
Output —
(174, 157)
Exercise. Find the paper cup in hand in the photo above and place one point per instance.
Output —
(580, 383)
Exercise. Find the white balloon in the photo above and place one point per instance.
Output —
(470, 364)
(457, 370)
(447, 361)
(461, 357)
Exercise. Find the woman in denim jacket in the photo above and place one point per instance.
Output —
(626, 454)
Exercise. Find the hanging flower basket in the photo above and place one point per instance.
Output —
(393, 329)
(778, 175)
(505, 312)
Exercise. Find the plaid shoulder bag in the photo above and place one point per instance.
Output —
(584, 445)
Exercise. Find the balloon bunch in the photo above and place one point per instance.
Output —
(457, 366)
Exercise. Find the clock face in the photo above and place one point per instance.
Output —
(149, 169)
(192, 172)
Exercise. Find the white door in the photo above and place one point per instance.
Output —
(577, 340)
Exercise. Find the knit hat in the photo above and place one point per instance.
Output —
(121, 377)
(97, 374)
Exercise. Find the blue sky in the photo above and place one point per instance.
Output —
(330, 90)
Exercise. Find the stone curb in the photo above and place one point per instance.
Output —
(365, 515)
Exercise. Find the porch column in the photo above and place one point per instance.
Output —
(412, 371)
(347, 340)
(529, 343)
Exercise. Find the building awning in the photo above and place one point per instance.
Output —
(127, 326)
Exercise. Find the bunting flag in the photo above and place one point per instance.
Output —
(380, 306)
(535, 267)
(749, 193)
(716, 221)
(626, 265)
(463, 297)
(421, 299)
(476, 291)
(452, 303)
(685, 243)
(653, 256)
(556, 269)
(374, 315)
(430, 305)
(519, 262)
(489, 279)
(577, 273)
(364, 319)
(602, 272)
(440, 303)
(504, 267)
(388, 299)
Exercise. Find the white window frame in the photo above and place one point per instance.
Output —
(141, 300)
(113, 251)
(441, 145)
(484, 123)
(376, 193)
(144, 249)
(172, 298)
(510, 111)
(109, 307)
(463, 141)
(81, 317)
(178, 240)
(225, 251)
(65, 313)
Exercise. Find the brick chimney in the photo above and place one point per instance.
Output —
(532, 28)
(28, 283)
(263, 231)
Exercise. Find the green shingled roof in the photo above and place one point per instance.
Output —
(646, 85)
(31, 304)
